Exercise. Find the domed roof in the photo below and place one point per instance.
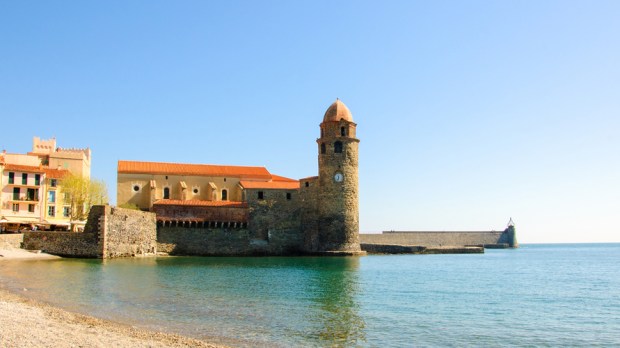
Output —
(336, 112)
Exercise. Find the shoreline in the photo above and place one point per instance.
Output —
(25, 322)
(30, 323)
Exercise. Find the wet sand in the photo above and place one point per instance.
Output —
(28, 323)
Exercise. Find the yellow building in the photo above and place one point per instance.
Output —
(30, 186)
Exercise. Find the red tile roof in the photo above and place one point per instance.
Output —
(199, 203)
(135, 167)
(270, 185)
(21, 168)
(281, 178)
(55, 173)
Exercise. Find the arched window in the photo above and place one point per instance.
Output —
(343, 131)
(322, 148)
(166, 192)
(224, 195)
(338, 147)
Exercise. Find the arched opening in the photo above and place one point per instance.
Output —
(166, 192)
(343, 131)
(338, 147)
(322, 148)
(224, 195)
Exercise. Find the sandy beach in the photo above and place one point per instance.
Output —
(28, 323)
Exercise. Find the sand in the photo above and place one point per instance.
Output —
(28, 323)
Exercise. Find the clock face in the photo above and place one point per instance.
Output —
(338, 177)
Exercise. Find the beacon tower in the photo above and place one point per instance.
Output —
(338, 203)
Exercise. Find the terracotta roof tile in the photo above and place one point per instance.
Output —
(199, 203)
(281, 178)
(136, 167)
(270, 185)
(56, 173)
(21, 168)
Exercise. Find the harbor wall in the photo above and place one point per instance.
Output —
(109, 233)
(11, 241)
(489, 239)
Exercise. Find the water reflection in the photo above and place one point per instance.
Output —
(304, 301)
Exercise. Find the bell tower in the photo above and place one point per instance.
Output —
(338, 194)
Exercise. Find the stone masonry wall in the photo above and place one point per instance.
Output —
(69, 244)
(434, 239)
(127, 232)
(11, 241)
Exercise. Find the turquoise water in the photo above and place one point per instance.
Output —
(537, 295)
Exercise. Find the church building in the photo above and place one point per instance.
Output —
(204, 209)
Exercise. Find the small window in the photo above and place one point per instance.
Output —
(224, 195)
(53, 182)
(322, 148)
(195, 191)
(11, 178)
(338, 147)
(307, 184)
(66, 211)
(51, 196)
(343, 131)
(166, 177)
(51, 210)
(24, 178)
(166, 192)
(16, 193)
(288, 196)
(31, 208)
(261, 195)
(224, 179)
(136, 188)
(37, 179)
(16, 207)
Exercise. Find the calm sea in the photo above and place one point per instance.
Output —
(537, 295)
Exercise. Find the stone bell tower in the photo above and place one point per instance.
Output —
(338, 194)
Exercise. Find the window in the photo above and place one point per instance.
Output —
(24, 178)
(166, 192)
(37, 179)
(261, 195)
(224, 195)
(343, 131)
(15, 193)
(66, 211)
(51, 211)
(136, 188)
(322, 148)
(51, 196)
(31, 208)
(11, 178)
(288, 196)
(32, 194)
(338, 147)
(195, 190)
(16, 207)
(307, 184)
(53, 182)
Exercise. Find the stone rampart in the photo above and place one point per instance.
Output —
(435, 239)
(11, 241)
(109, 232)
(126, 232)
(69, 244)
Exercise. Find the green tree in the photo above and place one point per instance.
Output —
(82, 193)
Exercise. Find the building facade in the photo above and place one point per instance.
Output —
(31, 195)
(260, 212)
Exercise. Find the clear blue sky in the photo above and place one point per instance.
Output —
(469, 112)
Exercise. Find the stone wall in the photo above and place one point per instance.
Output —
(10, 241)
(68, 244)
(434, 239)
(126, 232)
(109, 232)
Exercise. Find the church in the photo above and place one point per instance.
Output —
(204, 209)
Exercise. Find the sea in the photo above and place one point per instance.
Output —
(553, 295)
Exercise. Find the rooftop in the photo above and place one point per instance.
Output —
(336, 112)
(137, 167)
